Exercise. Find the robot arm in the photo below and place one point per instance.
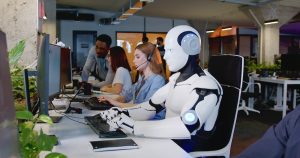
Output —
(203, 112)
(197, 111)
(125, 118)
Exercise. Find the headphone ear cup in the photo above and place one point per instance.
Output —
(190, 44)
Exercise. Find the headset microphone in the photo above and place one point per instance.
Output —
(142, 64)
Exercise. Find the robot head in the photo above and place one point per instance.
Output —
(181, 42)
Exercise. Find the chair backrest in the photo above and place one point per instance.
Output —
(228, 71)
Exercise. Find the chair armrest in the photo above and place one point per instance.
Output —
(256, 83)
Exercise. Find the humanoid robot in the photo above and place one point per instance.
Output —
(191, 97)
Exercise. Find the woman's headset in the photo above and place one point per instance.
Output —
(151, 54)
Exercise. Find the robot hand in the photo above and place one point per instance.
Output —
(122, 121)
(111, 113)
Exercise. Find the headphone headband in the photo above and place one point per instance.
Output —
(151, 54)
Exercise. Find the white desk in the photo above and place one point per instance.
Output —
(75, 140)
(281, 96)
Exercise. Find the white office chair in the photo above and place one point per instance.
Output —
(246, 94)
(228, 70)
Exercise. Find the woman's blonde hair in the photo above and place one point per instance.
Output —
(153, 56)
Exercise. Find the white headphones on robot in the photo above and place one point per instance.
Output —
(190, 43)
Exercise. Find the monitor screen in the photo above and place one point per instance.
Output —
(290, 62)
(54, 71)
(65, 67)
(43, 74)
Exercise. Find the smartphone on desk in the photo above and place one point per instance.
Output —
(111, 145)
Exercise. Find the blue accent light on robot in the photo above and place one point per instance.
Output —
(189, 117)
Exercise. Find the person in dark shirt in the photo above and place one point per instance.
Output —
(161, 48)
(280, 141)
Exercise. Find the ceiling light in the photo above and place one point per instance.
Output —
(122, 19)
(148, 1)
(127, 14)
(226, 28)
(115, 22)
(210, 31)
(269, 22)
(45, 17)
(135, 8)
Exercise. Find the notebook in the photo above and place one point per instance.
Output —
(111, 145)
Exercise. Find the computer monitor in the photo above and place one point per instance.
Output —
(49, 70)
(54, 71)
(65, 67)
(290, 62)
(43, 74)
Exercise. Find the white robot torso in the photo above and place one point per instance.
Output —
(180, 99)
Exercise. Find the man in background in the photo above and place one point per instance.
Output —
(161, 48)
(96, 63)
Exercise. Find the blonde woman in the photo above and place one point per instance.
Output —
(148, 63)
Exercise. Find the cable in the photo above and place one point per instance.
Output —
(69, 109)
(67, 116)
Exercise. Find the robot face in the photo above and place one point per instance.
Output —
(181, 41)
(175, 57)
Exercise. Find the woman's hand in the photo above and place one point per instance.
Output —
(104, 89)
(108, 99)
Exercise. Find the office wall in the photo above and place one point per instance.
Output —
(19, 21)
(133, 24)
(49, 25)
(245, 45)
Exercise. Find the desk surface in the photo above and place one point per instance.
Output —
(74, 141)
(276, 80)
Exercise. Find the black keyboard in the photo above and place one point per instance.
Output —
(100, 127)
(93, 104)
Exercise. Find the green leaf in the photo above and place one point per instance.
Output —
(29, 151)
(16, 52)
(46, 142)
(24, 115)
(55, 155)
(45, 119)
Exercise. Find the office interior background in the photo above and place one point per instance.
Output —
(262, 29)
(249, 37)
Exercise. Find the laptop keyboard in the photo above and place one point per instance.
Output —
(100, 127)
(93, 104)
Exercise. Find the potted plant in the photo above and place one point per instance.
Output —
(31, 141)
